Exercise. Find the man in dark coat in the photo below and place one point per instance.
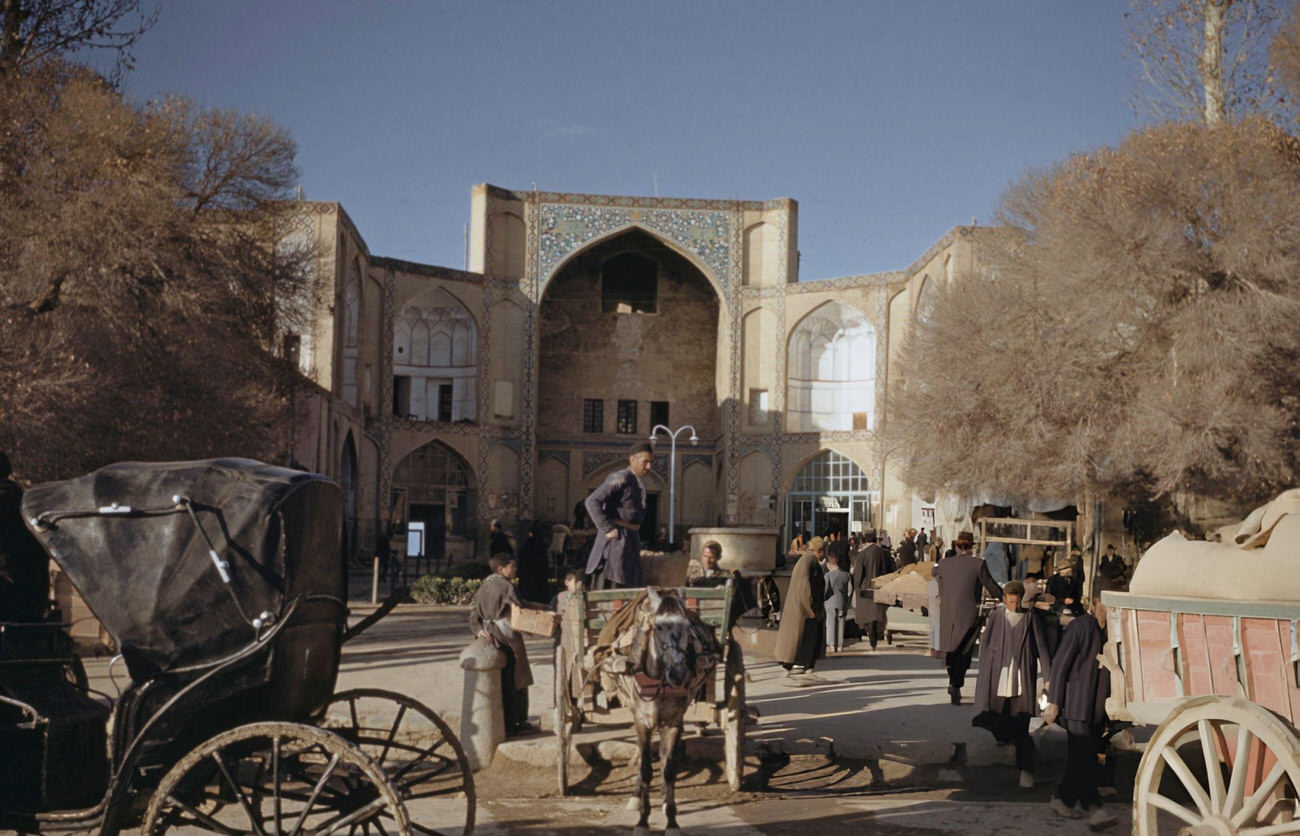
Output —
(867, 564)
(906, 552)
(1013, 650)
(499, 541)
(799, 640)
(1076, 697)
(24, 565)
(617, 508)
(922, 543)
(962, 580)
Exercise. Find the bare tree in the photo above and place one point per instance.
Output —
(34, 30)
(1205, 59)
(145, 255)
(1136, 322)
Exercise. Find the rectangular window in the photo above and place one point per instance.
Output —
(758, 406)
(593, 415)
(444, 401)
(627, 417)
(401, 396)
(292, 348)
(860, 421)
(658, 413)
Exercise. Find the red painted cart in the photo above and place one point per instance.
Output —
(1220, 681)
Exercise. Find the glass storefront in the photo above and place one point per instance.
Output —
(830, 493)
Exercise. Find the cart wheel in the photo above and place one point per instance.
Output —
(417, 750)
(276, 778)
(734, 718)
(1236, 765)
(564, 719)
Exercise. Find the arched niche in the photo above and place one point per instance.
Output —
(551, 488)
(432, 381)
(831, 371)
(758, 255)
(440, 489)
(696, 486)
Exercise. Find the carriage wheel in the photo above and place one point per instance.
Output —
(565, 712)
(1237, 763)
(276, 778)
(416, 749)
(734, 718)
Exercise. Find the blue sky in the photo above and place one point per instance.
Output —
(889, 122)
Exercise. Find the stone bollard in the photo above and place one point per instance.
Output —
(482, 715)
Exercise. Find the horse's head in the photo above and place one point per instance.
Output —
(672, 652)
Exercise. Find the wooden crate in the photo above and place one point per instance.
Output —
(537, 622)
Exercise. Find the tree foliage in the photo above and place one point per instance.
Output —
(1135, 321)
(144, 253)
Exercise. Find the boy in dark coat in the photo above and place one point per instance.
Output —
(1013, 650)
(1076, 699)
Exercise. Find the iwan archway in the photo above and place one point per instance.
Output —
(628, 339)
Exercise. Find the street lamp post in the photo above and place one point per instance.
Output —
(672, 471)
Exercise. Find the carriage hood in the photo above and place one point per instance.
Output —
(126, 536)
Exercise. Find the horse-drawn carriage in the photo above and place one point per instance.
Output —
(1204, 647)
(708, 691)
(222, 584)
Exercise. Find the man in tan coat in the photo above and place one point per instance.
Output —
(799, 640)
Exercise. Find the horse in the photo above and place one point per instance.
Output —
(677, 654)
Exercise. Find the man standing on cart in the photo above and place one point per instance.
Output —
(617, 508)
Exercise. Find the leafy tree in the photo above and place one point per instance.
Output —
(1136, 321)
(145, 253)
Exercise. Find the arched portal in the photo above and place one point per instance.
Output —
(628, 338)
(438, 486)
(830, 492)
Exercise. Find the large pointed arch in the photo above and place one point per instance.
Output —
(440, 490)
(676, 246)
(829, 491)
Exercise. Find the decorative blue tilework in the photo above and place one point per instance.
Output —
(567, 228)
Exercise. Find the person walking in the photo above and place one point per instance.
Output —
(799, 638)
(837, 601)
(868, 564)
(1076, 700)
(1013, 649)
(962, 580)
(498, 540)
(907, 549)
(617, 508)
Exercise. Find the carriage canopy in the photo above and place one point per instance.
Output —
(185, 562)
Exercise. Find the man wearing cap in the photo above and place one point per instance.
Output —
(617, 508)
(799, 640)
(961, 580)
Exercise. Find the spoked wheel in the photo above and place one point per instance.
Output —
(734, 718)
(1234, 769)
(416, 749)
(276, 778)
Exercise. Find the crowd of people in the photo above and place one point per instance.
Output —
(1038, 645)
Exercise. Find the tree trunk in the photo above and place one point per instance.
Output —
(1216, 105)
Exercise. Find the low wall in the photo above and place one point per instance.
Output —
(747, 548)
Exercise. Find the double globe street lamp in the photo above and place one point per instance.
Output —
(672, 470)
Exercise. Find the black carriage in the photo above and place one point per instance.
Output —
(222, 584)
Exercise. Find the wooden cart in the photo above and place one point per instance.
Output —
(1220, 680)
(721, 703)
